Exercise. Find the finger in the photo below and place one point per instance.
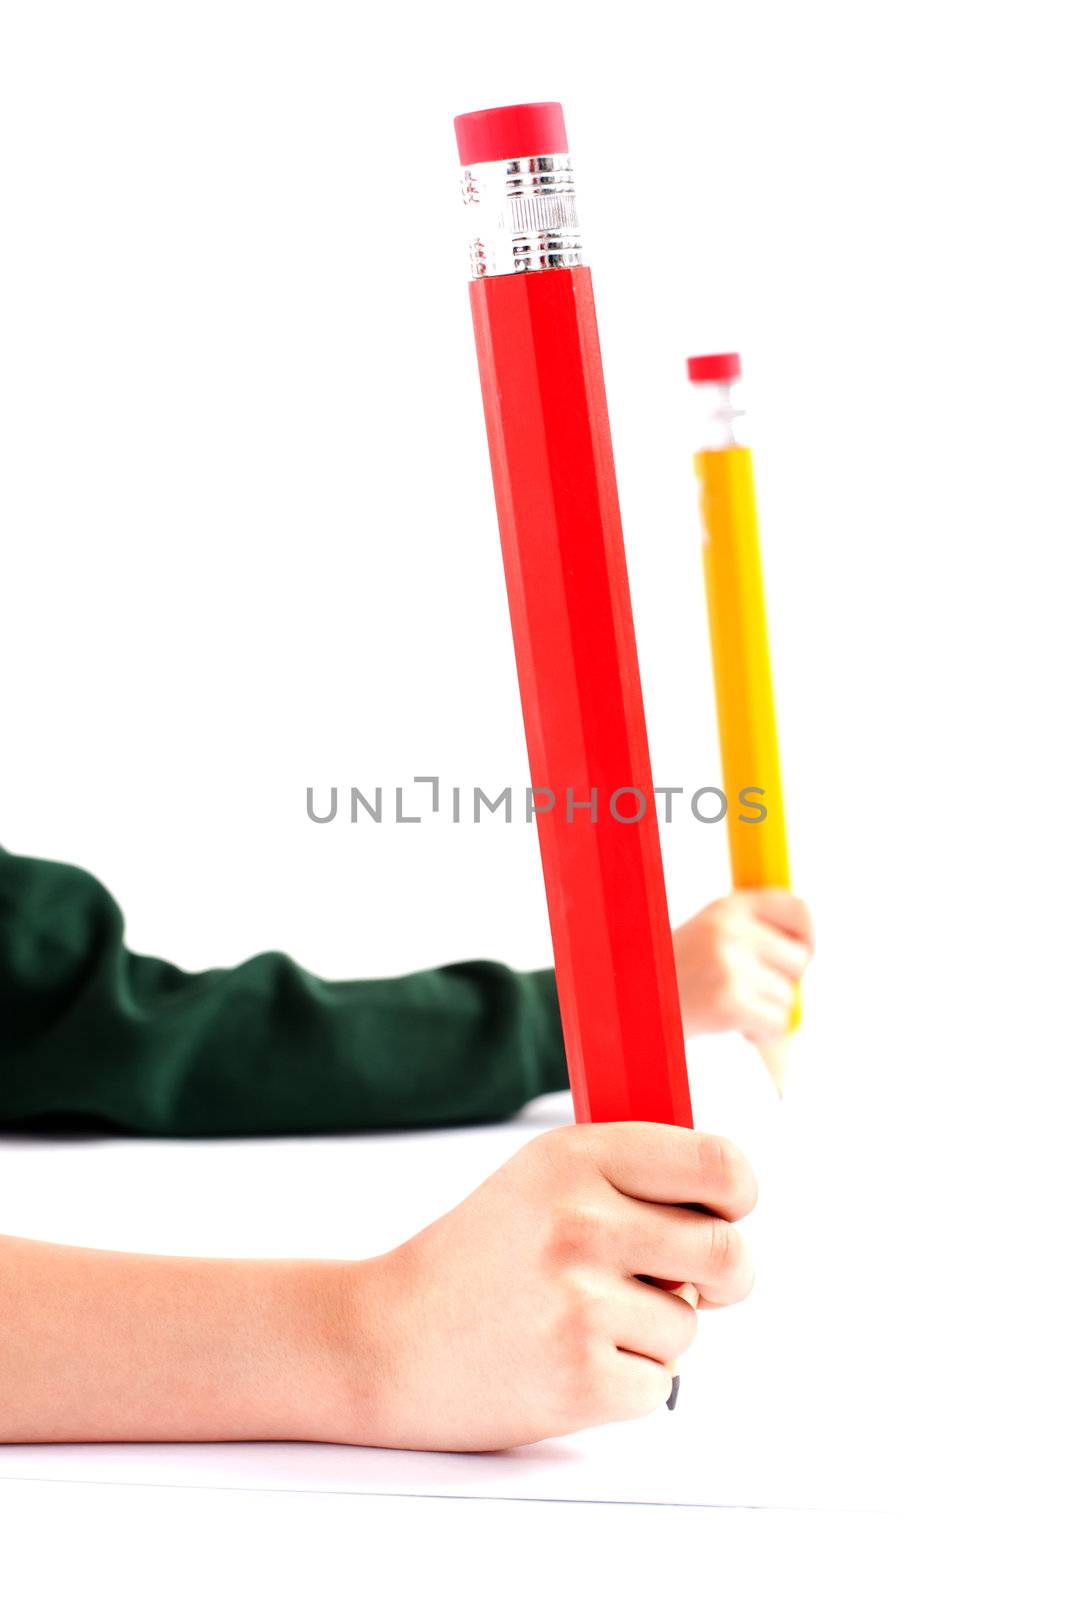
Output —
(780, 952)
(685, 1247)
(773, 989)
(730, 1276)
(783, 910)
(766, 1019)
(639, 1385)
(652, 1322)
(618, 1384)
(679, 1166)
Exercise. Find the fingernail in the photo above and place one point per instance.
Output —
(673, 1393)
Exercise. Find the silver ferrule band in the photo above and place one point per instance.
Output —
(720, 417)
(521, 216)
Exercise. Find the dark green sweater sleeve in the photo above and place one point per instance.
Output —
(93, 1035)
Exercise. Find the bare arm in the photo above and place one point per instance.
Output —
(521, 1314)
(95, 1344)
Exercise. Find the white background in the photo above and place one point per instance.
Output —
(249, 539)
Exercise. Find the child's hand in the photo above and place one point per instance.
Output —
(738, 962)
(519, 1315)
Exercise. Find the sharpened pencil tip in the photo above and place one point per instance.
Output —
(775, 1054)
(671, 1403)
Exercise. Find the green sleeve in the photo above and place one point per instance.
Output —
(93, 1035)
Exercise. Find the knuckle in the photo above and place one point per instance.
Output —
(720, 1250)
(722, 1165)
(558, 1148)
(576, 1232)
(563, 1159)
(729, 1264)
(724, 1251)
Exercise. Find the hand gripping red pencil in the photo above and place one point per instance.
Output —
(571, 617)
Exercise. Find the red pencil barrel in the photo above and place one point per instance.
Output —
(560, 526)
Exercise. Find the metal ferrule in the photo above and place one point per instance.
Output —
(521, 216)
(720, 418)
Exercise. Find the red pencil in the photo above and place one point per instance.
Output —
(560, 527)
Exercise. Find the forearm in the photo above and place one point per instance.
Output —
(98, 1345)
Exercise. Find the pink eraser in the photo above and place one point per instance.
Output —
(714, 369)
(506, 132)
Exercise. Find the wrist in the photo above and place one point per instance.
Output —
(348, 1330)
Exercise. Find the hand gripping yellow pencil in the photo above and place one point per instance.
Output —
(739, 642)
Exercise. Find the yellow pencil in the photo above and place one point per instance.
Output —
(739, 641)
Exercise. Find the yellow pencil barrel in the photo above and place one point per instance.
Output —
(739, 640)
(743, 684)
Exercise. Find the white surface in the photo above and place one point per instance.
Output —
(123, 1541)
(782, 1400)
